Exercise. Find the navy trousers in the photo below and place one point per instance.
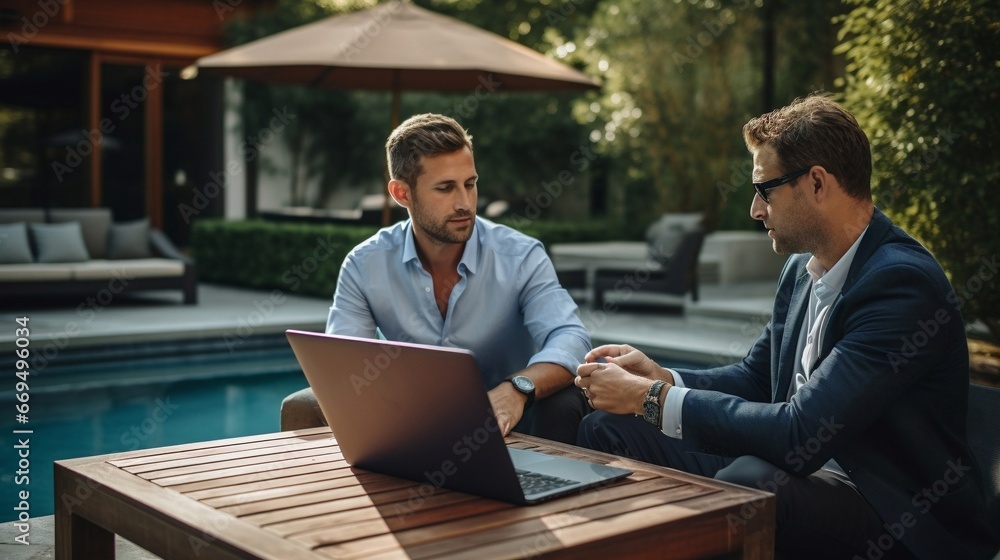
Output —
(818, 516)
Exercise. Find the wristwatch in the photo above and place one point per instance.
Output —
(524, 385)
(651, 411)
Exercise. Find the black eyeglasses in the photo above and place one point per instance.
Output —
(762, 188)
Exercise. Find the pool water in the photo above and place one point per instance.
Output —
(85, 420)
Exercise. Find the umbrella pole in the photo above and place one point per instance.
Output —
(386, 207)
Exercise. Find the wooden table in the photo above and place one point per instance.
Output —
(291, 495)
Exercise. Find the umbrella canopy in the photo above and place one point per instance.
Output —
(395, 46)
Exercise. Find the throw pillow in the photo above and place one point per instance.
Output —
(14, 246)
(59, 242)
(129, 240)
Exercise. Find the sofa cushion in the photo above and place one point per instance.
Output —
(94, 222)
(129, 240)
(36, 272)
(14, 246)
(57, 243)
(128, 269)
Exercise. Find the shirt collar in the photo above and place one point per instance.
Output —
(470, 256)
(830, 282)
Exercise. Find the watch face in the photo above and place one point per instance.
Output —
(649, 410)
(523, 384)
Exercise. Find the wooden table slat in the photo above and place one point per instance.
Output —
(381, 485)
(245, 470)
(236, 480)
(244, 484)
(189, 452)
(154, 471)
(440, 497)
(309, 486)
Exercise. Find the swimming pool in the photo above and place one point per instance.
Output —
(94, 406)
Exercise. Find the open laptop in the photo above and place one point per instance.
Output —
(421, 412)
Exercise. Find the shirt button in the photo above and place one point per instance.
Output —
(427, 290)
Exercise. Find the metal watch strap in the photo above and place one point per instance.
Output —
(652, 412)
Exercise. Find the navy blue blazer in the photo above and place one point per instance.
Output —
(887, 397)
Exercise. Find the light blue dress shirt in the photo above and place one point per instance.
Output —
(507, 308)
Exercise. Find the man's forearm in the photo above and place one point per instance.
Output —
(548, 378)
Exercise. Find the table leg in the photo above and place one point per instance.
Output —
(759, 542)
(76, 536)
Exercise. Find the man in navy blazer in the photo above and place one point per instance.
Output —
(851, 406)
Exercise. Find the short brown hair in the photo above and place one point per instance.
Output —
(419, 136)
(815, 130)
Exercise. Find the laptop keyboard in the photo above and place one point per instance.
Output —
(536, 483)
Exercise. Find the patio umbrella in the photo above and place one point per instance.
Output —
(395, 46)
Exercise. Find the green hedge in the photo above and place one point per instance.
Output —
(304, 259)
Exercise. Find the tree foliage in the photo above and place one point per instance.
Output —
(681, 79)
(924, 81)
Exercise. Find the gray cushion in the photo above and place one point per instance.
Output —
(94, 222)
(14, 246)
(59, 242)
(129, 240)
(665, 234)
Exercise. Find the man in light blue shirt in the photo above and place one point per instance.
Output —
(446, 277)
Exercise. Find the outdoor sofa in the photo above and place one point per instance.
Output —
(82, 252)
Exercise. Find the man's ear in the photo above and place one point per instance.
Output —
(400, 192)
(821, 182)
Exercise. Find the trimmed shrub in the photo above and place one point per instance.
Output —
(302, 259)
